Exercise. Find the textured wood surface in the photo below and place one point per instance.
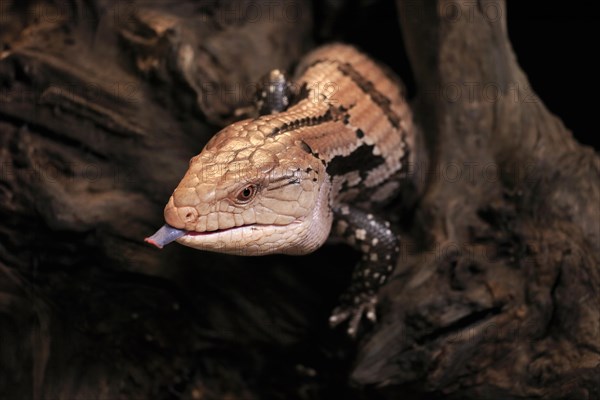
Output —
(102, 105)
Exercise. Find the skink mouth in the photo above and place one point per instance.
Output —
(167, 234)
(205, 233)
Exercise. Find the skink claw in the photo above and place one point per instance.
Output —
(354, 314)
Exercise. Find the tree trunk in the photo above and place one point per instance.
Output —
(499, 295)
(102, 104)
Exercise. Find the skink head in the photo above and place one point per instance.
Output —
(250, 194)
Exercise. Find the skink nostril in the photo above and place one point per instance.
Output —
(179, 217)
(189, 217)
(187, 214)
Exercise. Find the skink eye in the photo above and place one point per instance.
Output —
(246, 194)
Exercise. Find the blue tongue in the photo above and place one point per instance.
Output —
(165, 235)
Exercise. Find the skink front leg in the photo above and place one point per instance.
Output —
(380, 247)
(274, 94)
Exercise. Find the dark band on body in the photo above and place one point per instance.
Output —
(367, 87)
(301, 123)
(361, 159)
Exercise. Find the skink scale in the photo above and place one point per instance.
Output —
(316, 166)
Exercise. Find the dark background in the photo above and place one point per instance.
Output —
(251, 321)
(547, 39)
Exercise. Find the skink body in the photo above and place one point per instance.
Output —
(284, 182)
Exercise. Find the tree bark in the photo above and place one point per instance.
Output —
(102, 105)
(499, 297)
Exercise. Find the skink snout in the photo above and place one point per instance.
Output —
(179, 222)
(180, 217)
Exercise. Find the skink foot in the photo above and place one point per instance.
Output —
(365, 305)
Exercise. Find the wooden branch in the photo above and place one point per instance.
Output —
(496, 294)
(103, 104)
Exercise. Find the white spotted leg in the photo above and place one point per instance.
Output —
(274, 94)
(365, 307)
(379, 244)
